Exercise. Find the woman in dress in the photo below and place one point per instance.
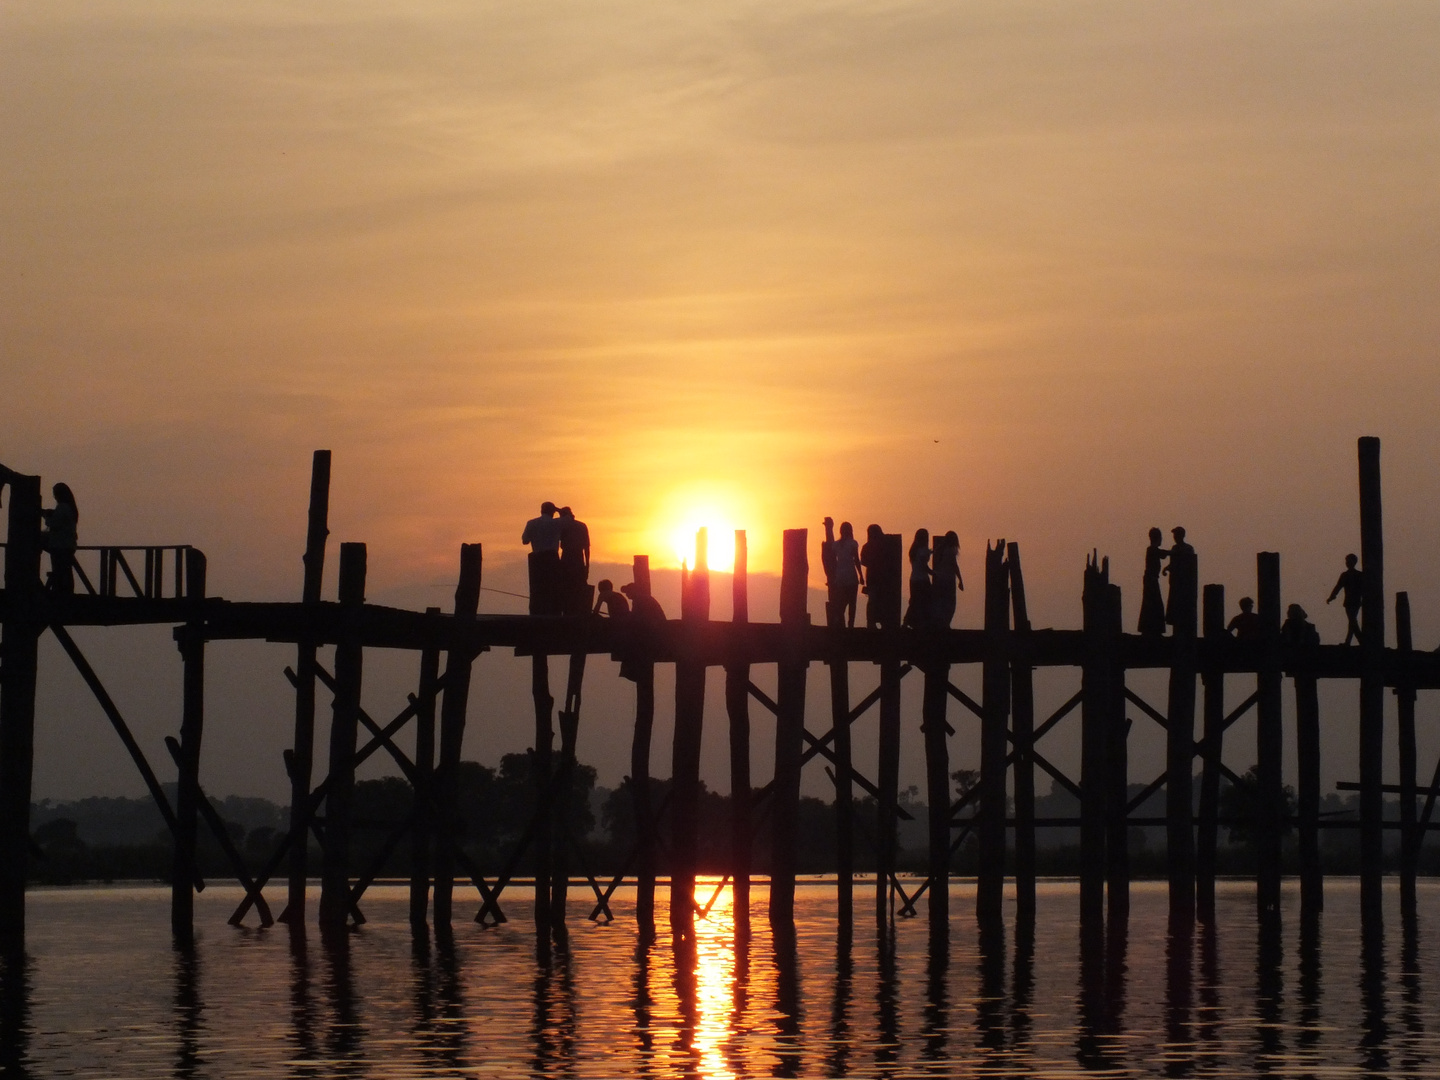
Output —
(917, 615)
(1152, 604)
(946, 578)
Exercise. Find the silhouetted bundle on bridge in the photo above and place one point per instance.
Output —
(1007, 648)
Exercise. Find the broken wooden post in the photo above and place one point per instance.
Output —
(302, 757)
(1022, 723)
(685, 750)
(1094, 757)
(340, 799)
(1269, 745)
(1405, 706)
(420, 832)
(1372, 684)
(1213, 680)
(789, 732)
(1307, 760)
(19, 641)
(453, 705)
(191, 639)
(1180, 738)
(995, 704)
(1117, 772)
(887, 577)
(644, 667)
(737, 708)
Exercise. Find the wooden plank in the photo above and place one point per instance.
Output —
(935, 731)
(645, 832)
(887, 577)
(1117, 744)
(994, 729)
(1022, 726)
(1270, 808)
(1210, 747)
(685, 756)
(737, 708)
(1405, 709)
(421, 841)
(1372, 683)
(1180, 739)
(453, 705)
(1094, 761)
(789, 728)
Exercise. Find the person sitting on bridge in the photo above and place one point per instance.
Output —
(1297, 630)
(543, 535)
(1247, 625)
(610, 602)
(60, 539)
(1352, 583)
(843, 570)
(574, 562)
(646, 619)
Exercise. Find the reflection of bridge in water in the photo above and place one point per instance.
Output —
(129, 587)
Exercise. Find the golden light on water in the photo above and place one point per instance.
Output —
(714, 981)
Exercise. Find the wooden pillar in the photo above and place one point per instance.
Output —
(1117, 771)
(640, 770)
(302, 758)
(933, 726)
(420, 835)
(844, 789)
(995, 704)
(191, 639)
(789, 728)
(685, 759)
(541, 767)
(1180, 739)
(453, 704)
(1372, 684)
(1270, 804)
(19, 661)
(737, 707)
(1307, 760)
(1094, 759)
(1022, 723)
(888, 577)
(1405, 704)
(1214, 709)
(340, 799)
(565, 796)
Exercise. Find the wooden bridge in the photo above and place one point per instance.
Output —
(128, 586)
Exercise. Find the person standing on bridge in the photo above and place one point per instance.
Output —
(543, 535)
(1152, 604)
(60, 539)
(574, 562)
(841, 559)
(1352, 583)
(870, 559)
(1183, 572)
(917, 613)
(946, 580)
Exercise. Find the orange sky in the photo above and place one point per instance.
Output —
(1052, 272)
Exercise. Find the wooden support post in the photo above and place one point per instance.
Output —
(640, 772)
(1094, 759)
(191, 639)
(19, 662)
(1214, 709)
(1117, 772)
(887, 577)
(1270, 803)
(1405, 705)
(340, 799)
(1180, 739)
(540, 782)
(995, 704)
(564, 802)
(934, 727)
(685, 759)
(844, 792)
(1022, 723)
(302, 758)
(1372, 684)
(789, 733)
(420, 833)
(453, 705)
(737, 707)
(1307, 759)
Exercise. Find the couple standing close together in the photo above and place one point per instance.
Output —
(559, 562)
(934, 576)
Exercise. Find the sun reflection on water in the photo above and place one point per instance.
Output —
(714, 983)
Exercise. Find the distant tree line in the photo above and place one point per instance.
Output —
(117, 839)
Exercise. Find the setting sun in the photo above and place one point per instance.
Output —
(720, 546)
(717, 509)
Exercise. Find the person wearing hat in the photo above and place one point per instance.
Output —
(1297, 630)
(543, 535)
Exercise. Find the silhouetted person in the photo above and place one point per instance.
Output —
(574, 562)
(543, 535)
(842, 572)
(1246, 626)
(60, 538)
(1152, 605)
(1352, 584)
(870, 557)
(647, 618)
(1297, 630)
(917, 614)
(610, 602)
(1180, 604)
(946, 580)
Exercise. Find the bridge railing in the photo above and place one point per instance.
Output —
(147, 572)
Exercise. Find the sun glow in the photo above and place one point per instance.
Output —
(718, 512)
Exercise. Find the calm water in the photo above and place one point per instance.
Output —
(105, 995)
